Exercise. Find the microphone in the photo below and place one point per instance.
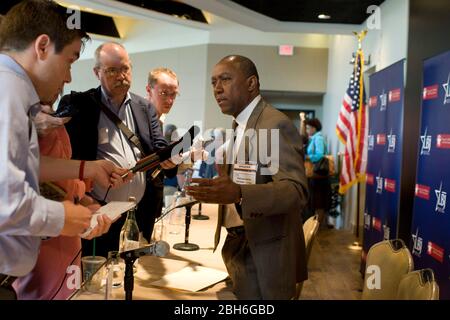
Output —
(159, 249)
(180, 202)
(163, 154)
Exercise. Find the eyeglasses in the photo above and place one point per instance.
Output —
(113, 71)
(166, 95)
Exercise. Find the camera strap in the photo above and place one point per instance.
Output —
(134, 139)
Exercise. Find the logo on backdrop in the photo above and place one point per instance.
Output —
(383, 101)
(422, 191)
(391, 142)
(386, 232)
(443, 141)
(435, 251)
(379, 183)
(366, 221)
(417, 243)
(369, 178)
(395, 95)
(426, 143)
(447, 90)
(371, 143)
(441, 199)
(430, 92)
(381, 139)
(376, 223)
(373, 101)
(389, 185)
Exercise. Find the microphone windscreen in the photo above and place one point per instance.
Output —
(162, 248)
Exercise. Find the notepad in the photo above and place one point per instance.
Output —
(191, 278)
(113, 210)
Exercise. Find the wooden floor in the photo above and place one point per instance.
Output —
(333, 268)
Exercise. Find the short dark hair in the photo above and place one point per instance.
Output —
(314, 123)
(31, 18)
(244, 64)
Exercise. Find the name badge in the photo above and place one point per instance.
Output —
(244, 173)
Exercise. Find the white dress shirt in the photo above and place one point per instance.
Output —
(231, 217)
(114, 146)
(25, 216)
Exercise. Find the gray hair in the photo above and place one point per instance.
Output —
(99, 49)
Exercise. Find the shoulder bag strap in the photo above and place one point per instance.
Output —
(122, 127)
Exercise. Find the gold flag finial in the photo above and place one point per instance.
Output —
(360, 37)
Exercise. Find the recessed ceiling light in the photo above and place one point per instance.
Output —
(323, 16)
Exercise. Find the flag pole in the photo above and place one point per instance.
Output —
(360, 36)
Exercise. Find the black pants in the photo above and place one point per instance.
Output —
(6, 290)
(150, 207)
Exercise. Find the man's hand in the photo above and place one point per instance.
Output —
(103, 224)
(103, 221)
(302, 116)
(221, 190)
(76, 219)
(105, 173)
(45, 123)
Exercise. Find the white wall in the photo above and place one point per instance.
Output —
(389, 44)
(188, 52)
(187, 62)
(339, 70)
(152, 35)
(386, 46)
(306, 72)
(224, 32)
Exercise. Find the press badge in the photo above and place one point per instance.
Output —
(244, 173)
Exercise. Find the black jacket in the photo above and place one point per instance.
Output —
(83, 128)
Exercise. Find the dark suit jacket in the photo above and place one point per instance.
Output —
(271, 208)
(83, 129)
(83, 132)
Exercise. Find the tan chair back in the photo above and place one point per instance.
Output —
(310, 228)
(387, 261)
(418, 285)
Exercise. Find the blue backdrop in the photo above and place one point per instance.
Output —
(386, 92)
(430, 244)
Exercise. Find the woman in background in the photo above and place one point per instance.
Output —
(319, 187)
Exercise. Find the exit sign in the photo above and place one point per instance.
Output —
(286, 50)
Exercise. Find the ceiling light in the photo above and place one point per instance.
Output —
(323, 16)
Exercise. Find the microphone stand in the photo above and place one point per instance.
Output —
(200, 216)
(129, 277)
(186, 246)
(130, 257)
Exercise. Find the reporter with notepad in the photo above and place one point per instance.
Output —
(49, 278)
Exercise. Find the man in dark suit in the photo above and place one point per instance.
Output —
(260, 197)
(93, 135)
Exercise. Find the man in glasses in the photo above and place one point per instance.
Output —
(115, 124)
(162, 90)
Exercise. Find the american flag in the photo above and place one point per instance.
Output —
(352, 128)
